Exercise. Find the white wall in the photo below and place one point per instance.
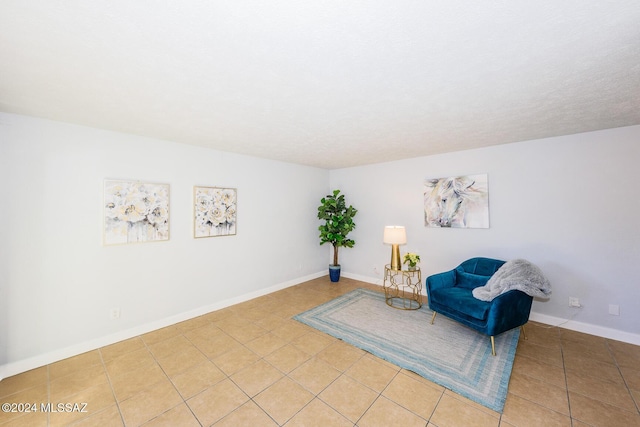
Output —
(569, 204)
(58, 282)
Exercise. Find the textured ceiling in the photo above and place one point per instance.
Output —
(329, 83)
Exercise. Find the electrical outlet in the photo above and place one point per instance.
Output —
(614, 309)
(375, 270)
(114, 313)
(574, 302)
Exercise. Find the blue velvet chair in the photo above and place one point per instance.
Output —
(450, 293)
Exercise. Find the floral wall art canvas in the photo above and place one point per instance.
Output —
(135, 212)
(215, 211)
(457, 202)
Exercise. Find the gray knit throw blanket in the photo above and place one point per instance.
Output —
(515, 274)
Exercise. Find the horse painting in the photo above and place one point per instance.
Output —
(457, 202)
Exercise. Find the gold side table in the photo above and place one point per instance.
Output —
(402, 288)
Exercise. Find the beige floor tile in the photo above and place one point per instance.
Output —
(385, 413)
(243, 307)
(35, 419)
(257, 377)
(616, 394)
(246, 333)
(191, 324)
(219, 315)
(313, 342)
(287, 358)
(131, 383)
(169, 346)
(129, 362)
(423, 380)
(600, 414)
(181, 360)
(580, 337)
(109, 417)
(180, 416)
(631, 377)
(266, 344)
(231, 322)
(160, 335)
(215, 346)
(72, 364)
(596, 350)
(288, 311)
(382, 361)
(551, 356)
(417, 396)
(118, 349)
(636, 396)
(197, 379)
(470, 402)
(540, 392)
(207, 330)
(524, 413)
(291, 329)
(270, 322)
(348, 397)
(24, 381)
(373, 374)
(249, 415)
(318, 414)
(37, 394)
(236, 360)
(586, 367)
(576, 423)
(453, 412)
(541, 335)
(253, 314)
(97, 399)
(76, 381)
(216, 402)
(315, 375)
(542, 371)
(341, 355)
(283, 400)
(149, 403)
(626, 355)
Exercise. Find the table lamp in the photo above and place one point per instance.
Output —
(395, 235)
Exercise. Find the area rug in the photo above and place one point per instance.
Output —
(447, 353)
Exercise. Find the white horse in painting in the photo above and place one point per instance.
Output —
(455, 202)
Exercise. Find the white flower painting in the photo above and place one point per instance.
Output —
(135, 212)
(215, 211)
(457, 202)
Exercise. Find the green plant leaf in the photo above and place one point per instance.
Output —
(338, 221)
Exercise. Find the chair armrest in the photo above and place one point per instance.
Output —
(508, 311)
(441, 280)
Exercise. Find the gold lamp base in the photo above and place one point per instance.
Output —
(396, 264)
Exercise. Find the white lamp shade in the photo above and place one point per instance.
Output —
(395, 235)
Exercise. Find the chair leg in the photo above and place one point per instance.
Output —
(493, 346)
(433, 317)
(524, 333)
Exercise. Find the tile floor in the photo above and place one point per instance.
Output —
(252, 365)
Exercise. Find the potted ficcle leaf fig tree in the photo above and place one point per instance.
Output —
(338, 223)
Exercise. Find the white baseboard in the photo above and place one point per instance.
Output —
(366, 279)
(572, 325)
(587, 328)
(24, 365)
